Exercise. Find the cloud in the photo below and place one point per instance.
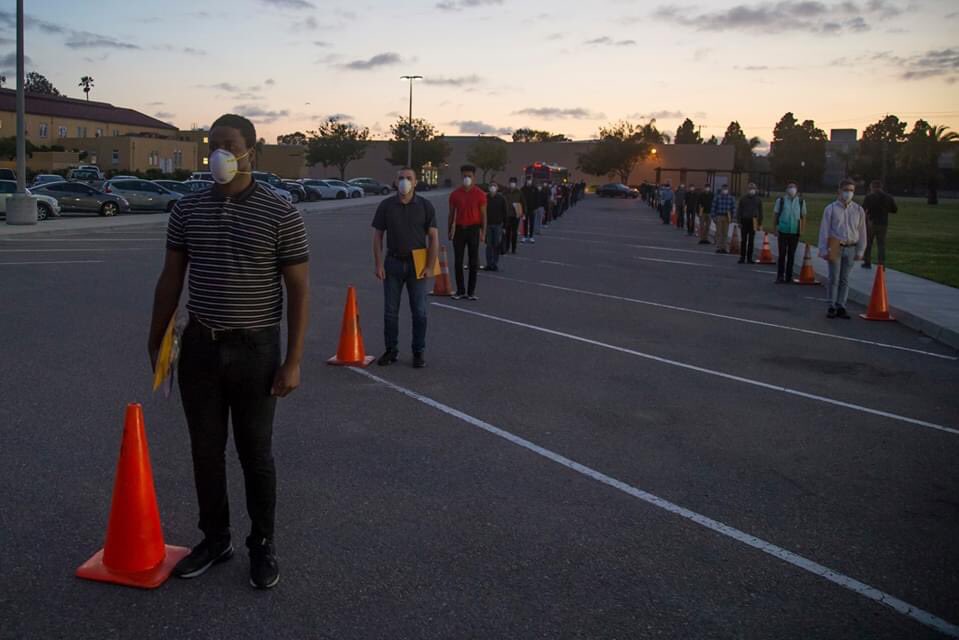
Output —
(461, 81)
(556, 113)
(321, 43)
(761, 67)
(193, 51)
(658, 115)
(394, 114)
(555, 36)
(931, 64)
(379, 60)
(339, 117)
(164, 115)
(222, 86)
(460, 5)
(269, 82)
(289, 4)
(700, 54)
(158, 103)
(783, 16)
(86, 40)
(609, 42)
(477, 127)
(258, 114)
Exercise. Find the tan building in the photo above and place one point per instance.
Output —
(135, 153)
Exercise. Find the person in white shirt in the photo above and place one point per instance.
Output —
(843, 222)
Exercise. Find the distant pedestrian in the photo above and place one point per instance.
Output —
(878, 205)
(516, 199)
(705, 208)
(790, 213)
(409, 223)
(467, 228)
(692, 209)
(842, 239)
(680, 198)
(542, 212)
(497, 213)
(531, 197)
(749, 213)
(665, 202)
(724, 205)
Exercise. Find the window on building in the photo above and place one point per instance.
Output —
(116, 157)
(61, 132)
(99, 132)
(43, 130)
(116, 132)
(81, 132)
(206, 161)
(206, 140)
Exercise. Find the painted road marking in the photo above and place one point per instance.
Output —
(710, 314)
(633, 246)
(695, 264)
(54, 262)
(72, 250)
(899, 606)
(712, 372)
(82, 239)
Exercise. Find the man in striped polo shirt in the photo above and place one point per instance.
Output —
(241, 243)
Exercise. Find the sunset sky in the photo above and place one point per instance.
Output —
(495, 65)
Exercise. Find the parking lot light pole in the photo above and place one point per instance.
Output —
(409, 141)
(21, 208)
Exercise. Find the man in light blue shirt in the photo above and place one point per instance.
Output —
(790, 214)
(665, 202)
(843, 226)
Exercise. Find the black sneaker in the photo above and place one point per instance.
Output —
(202, 557)
(866, 265)
(831, 313)
(473, 298)
(741, 261)
(418, 361)
(704, 242)
(264, 570)
(841, 313)
(780, 281)
(388, 358)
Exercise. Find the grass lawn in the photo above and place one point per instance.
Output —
(923, 239)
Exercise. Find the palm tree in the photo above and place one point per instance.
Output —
(87, 83)
(939, 142)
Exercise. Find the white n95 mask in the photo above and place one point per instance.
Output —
(223, 166)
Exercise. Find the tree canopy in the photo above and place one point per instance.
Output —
(336, 144)
(687, 133)
(36, 83)
(526, 134)
(620, 146)
(736, 137)
(489, 156)
(297, 137)
(798, 151)
(429, 146)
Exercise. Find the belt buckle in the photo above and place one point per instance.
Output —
(215, 332)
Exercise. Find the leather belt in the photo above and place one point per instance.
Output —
(217, 335)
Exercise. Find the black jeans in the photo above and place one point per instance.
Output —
(748, 240)
(530, 228)
(510, 235)
(231, 376)
(787, 255)
(466, 238)
(875, 233)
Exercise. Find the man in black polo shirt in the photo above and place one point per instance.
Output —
(239, 241)
(409, 222)
(878, 205)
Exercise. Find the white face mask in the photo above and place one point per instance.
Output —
(725, 192)
(493, 188)
(512, 185)
(223, 166)
(752, 192)
(847, 195)
(467, 181)
(529, 183)
(791, 191)
(708, 189)
(405, 185)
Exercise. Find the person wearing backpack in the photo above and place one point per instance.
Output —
(790, 216)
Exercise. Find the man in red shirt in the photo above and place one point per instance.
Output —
(467, 227)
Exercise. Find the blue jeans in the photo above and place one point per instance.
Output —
(839, 276)
(400, 272)
(494, 236)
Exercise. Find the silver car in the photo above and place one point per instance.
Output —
(77, 196)
(143, 194)
(47, 207)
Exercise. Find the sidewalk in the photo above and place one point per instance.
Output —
(920, 304)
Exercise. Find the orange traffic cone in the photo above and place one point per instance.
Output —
(807, 275)
(672, 218)
(134, 553)
(351, 353)
(878, 303)
(734, 244)
(441, 284)
(766, 255)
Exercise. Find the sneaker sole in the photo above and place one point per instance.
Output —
(266, 586)
(223, 557)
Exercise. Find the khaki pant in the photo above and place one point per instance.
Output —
(704, 222)
(722, 232)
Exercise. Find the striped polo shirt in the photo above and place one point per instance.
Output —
(236, 247)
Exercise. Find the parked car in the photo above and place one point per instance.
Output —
(47, 207)
(8, 174)
(91, 177)
(197, 185)
(273, 181)
(297, 190)
(174, 185)
(616, 190)
(143, 194)
(123, 177)
(45, 178)
(77, 196)
(353, 190)
(201, 175)
(369, 185)
(322, 190)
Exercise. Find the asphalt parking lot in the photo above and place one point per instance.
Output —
(627, 436)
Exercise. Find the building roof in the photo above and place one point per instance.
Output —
(59, 106)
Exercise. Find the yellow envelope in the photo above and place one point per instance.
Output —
(419, 262)
(165, 357)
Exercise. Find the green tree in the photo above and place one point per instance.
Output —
(429, 146)
(712, 140)
(526, 134)
(297, 137)
(337, 144)
(798, 151)
(687, 133)
(489, 156)
(87, 83)
(620, 146)
(920, 155)
(879, 148)
(650, 133)
(744, 146)
(36, 83)
(8, 148)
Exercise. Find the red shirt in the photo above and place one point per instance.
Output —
(467, 206)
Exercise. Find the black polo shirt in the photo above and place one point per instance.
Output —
(406, 225)
(878, 206)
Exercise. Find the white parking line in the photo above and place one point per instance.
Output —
(712, 372)
(899, 606)
(72, 250)
(54, 262)
(633, 246)
(695, 264)
(711, 314)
